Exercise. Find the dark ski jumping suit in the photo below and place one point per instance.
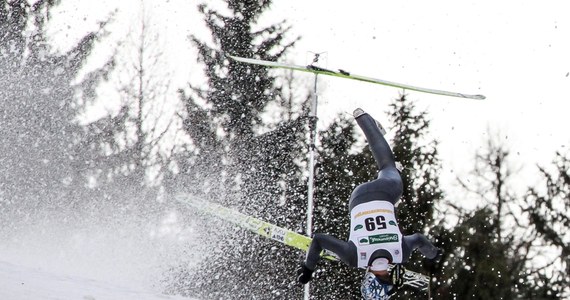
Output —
(374, 231)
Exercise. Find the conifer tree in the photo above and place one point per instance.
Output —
(127, 142)
(235, 96)
(481, 265)
(42, 149)
(547, 207)
(419, 157)
(230, 161)
(493, 244)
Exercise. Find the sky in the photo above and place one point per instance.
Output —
(513, 52)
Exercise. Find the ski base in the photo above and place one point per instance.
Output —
(344, 74)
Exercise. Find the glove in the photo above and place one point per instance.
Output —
(438, 256)
(304, 274)
(397, 275)
(434, 263)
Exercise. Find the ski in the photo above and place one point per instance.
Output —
(279, 234)
(344, 74)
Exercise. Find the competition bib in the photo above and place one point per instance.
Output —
(373, 226)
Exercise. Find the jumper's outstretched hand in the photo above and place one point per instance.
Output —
(397, 275)
(304, 274)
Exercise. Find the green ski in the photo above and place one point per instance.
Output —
(279, 234)
(345, 74)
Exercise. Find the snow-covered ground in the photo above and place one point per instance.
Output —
(106, 256)
(30, 283)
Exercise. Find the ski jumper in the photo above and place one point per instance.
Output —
(374, 231)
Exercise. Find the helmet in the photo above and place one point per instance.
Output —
(373, 288)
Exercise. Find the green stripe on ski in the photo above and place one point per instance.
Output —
(265, 229)
(343, 74)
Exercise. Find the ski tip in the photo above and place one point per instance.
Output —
(475, 97)
(236, 58)
(241, 59)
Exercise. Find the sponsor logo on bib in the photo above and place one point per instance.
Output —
(373, 211)
(379, 239)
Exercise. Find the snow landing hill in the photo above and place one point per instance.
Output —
(26, 283)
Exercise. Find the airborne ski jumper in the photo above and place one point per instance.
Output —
(375, 240)
(282, 235)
